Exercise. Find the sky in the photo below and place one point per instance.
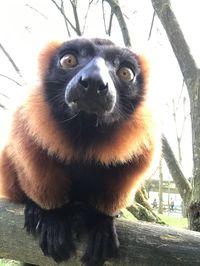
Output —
(26, 25)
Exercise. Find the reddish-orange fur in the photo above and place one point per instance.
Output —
(27, 162)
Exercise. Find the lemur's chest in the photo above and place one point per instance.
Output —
(90, 181)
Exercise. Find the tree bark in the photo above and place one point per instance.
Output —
(181, 182)
(179, 45)
(191, 76)
(160, 206)
(141, 243)
(142, 209)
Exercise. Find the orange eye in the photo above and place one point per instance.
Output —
(68, 61)
(125, 74)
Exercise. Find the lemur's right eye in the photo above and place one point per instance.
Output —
(68, 61)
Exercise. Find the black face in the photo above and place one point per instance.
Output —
(93, 84)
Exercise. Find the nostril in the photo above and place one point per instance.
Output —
(83, 82)
(102, 88)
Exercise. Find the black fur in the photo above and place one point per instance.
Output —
(103, 241)
(55, 230)
(84, 186)
(84, 128)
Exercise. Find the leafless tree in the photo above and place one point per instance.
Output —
(191, 75)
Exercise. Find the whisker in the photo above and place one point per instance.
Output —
(60, 81)
(69, 119)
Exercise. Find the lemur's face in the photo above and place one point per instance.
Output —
(93, 79)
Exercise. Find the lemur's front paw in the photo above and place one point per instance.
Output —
(33, 215)
(53, 228)
(103, 241)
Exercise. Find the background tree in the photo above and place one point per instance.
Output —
(160, 205)
(191, 74)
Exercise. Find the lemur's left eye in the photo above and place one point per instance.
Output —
(68, 61)
(125, 74)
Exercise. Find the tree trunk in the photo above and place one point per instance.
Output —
(182, 184)
(141, 208)
(160, 207)
(191, 75)
(194, 210)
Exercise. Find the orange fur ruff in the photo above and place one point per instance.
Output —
(28, 167)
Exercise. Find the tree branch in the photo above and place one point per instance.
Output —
(11, 61)
(64, 16)
(141, 243)
(107, 30)
(11, 79)
(122, 23)
(151, 27)
(37, 11)
(74, 8)
(86, 15)
(62, 6)
(182, 184)
(2, 106)
(110, 23)
(179, 45)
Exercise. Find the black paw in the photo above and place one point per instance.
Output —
(53, 228)
(33, 215)
(103, 241)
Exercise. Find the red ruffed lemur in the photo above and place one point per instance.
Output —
(80, 145)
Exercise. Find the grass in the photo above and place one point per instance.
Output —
(171, 220)
(174, 221)
(4, 262)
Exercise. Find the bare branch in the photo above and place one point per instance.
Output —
(184, 119)
(76, 18)
(178, 137)
(174, 116)
(151, 27)
(122, 23)
(110, 23)
(11, 61)
(4, 95)
(182, 184)
(107, 30)
(179, 97)
(2, 106)
(86, 15)
(64, 15)
(37, 11)
(11, 79)
(104, 17)
(66, 23)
